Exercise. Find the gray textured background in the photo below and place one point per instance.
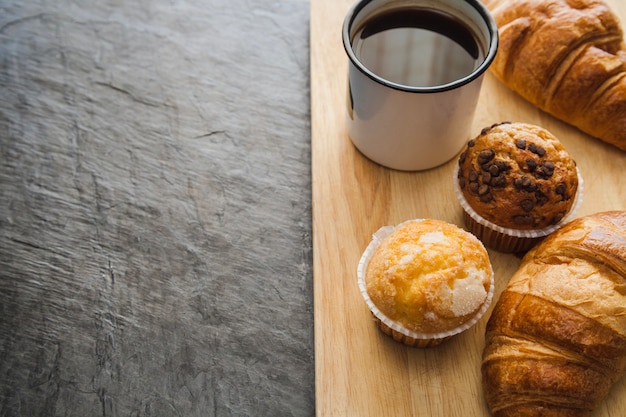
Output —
(155, 210)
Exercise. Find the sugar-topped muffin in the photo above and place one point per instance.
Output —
(428, 279)
(516, 176)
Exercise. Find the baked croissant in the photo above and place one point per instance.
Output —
(566, 57)
(556, 339)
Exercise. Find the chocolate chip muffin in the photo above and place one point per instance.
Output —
(517, 176)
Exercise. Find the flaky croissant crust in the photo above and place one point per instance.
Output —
(556, 339)
(568, 58)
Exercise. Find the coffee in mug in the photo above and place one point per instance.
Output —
(415, 72)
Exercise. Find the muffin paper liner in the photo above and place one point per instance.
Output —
(505, 239)
(395, 329)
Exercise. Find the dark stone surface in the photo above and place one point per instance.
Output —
(155, 209)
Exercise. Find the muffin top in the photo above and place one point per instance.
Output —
(518, 176)
(429, 276)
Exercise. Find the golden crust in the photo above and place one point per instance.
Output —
(567, 58)
(429, 276)
(518, 176)
(556, 339)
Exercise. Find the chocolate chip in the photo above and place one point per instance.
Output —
(523, 219)
(499, 124)
(499, 181)
(473, 176)
(483, 189)
(525, 183)
(486, 178)
(462, 157)
(520, 143)
(473, 187)
(527, 205)
(486, 156)
(471, 143)
(488, 128)
(462, 182)
(560, 189)
(545, 171)
(502, 165)
(494, 170)
(537, 150)
(486, 198)
(541, 198)
(531, 164)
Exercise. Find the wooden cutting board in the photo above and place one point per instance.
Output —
(360, 371)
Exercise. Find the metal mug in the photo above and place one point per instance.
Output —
(422, 120)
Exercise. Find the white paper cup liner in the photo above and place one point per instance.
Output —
(511, 240)
(414, 338)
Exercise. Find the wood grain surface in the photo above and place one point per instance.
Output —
(359, 370)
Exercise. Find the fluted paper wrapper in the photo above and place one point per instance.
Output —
(504, 239)
(394, 329)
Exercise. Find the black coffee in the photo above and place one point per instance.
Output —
(417, 47)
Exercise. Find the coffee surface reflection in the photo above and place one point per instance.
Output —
(417, 47)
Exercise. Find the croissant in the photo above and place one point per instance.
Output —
(566, 57)
(556, 339)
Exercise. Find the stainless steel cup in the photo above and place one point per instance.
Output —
(414, 125)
